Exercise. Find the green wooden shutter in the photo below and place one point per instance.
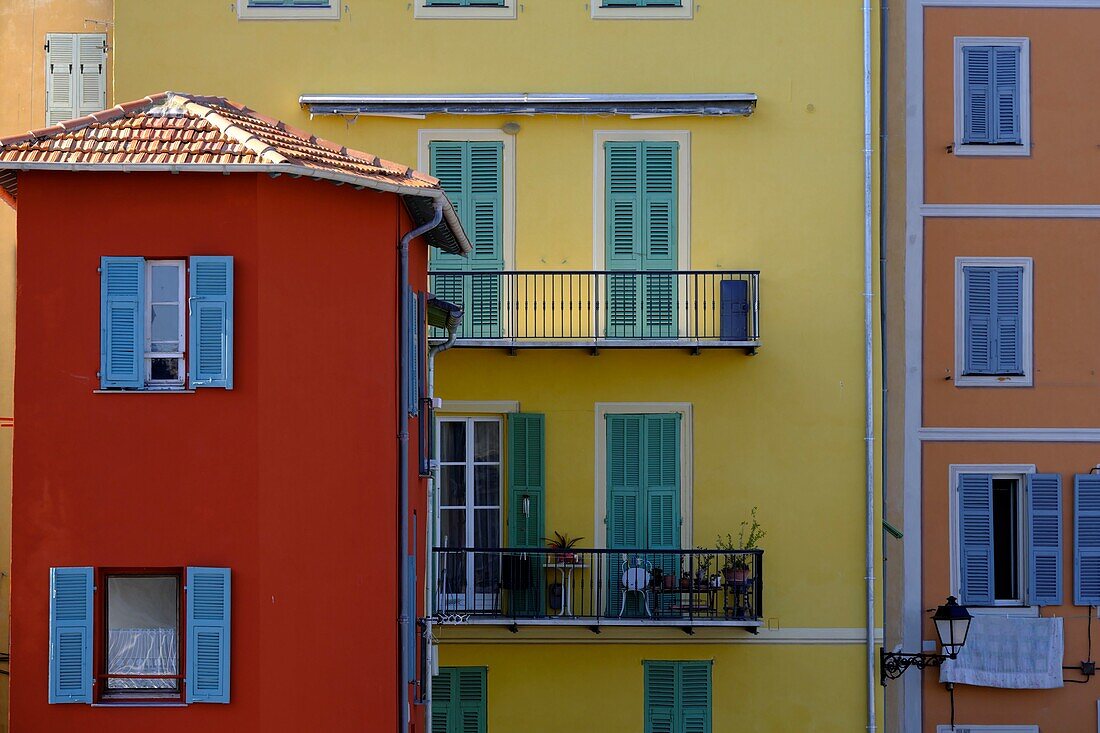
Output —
(662, 481)
(659, 232)
(694, 688)
(442, 699)
(625, 509)
(527, 477)
(660, 697)
(677, 697)
(459, 700)
(622, 198)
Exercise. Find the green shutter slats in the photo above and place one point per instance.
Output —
(677, 697)
(975, 492)
(1086, 540)
(527, 479)
(122, 319)
(208, 643)
(626, 525)
(210, 309)
(459, 700)
(70, 660)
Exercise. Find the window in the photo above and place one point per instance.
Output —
(469, 509)
(962, 728)
(76, 75)
(142, 636)
(459, 700)
(1009, 527)
(288, 9)
(144, 620)
(992, 96)
(471, 9)
(643, 9)
(993, 321)
(154, 339)
(678, 696)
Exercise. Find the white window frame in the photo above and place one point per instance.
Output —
(964, 728)
(290, 12)
(1023, 149)
(182, 304)
(686, 11)
(472, 600)
(1027, 324)
(1018, 472)
(421, 9)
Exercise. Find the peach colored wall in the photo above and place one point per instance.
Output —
(1071, 709)
(1066, 267)
(1063, 166)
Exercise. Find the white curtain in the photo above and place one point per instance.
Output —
(142, 651)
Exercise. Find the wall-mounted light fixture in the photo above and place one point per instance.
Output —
(952, 625)
(511, 128)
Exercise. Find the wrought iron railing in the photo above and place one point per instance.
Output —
(672, 587)
(556, 308)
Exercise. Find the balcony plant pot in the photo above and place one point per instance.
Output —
(685, 581)
(735, 576)
(668, 582)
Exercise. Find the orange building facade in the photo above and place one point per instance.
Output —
(999, 423)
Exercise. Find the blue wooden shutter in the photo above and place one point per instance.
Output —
(1086, 539)
(1008, 319)
(695, 696)
(211, 322)
(71, 591)
(660, 697)
(978, 318)
(625, 518)
(411, 347)
(977, 93)
(122, 322)
(1006, 90)
(208, 644)
(1044, 492)
(976, 538)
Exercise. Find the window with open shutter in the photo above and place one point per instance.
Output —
(472, 174)
(459, 700)
(122, 340)
(211, 322)
(208, 644)
(1086, 539)
(71, 592)
(641, 200)
(975, 496)
(677, 697)
(1044, 517)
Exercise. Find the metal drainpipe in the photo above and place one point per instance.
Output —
(869, 357)
(406, 635)
(429, 527)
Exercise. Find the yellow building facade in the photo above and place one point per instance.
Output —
(715, 142)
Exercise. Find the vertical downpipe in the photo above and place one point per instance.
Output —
(405, 628)
(869, 357)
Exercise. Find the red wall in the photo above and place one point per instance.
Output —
(288, 479)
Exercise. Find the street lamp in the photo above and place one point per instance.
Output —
(952, 624)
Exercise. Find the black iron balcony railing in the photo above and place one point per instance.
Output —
(598, 587)
(605, 308)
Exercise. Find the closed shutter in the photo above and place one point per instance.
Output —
(71, 592)
(1045, 538)
(459, 700)
(662, 481)
(1006, 88)
(976, 538)
(659, 292)
(977, 93)
(208, 643)
(527, 478)
(625, 518)
(1008, 319)
(60, 77)
(122, 322)
(472, 174)
(91, 67)
(695, 697)
(211, 322)
(677, 697)
(660, 697)
(978, 315)
(993, 317)
(464, 3)
(1086, 539)
(622, 198)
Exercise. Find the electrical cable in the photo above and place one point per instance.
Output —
(951, 690)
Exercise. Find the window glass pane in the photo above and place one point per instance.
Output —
(452, 441)
(143, 630)
(487, 528)
(165, 369)
(1006, 537)
(165, 324)
(452, 528)
(452, 486)
(487, 485)
(487, 441)
(165, 284)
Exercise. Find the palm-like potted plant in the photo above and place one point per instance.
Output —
(735, 568)
(563, 544)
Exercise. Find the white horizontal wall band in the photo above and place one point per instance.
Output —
(1014, 435)
(797, 636)
(1010, 3)
(1011, 211)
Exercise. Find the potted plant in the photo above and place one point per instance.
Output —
(563, 544)
(735, 568)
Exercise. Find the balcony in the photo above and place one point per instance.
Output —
(605, 309)
(598, 588)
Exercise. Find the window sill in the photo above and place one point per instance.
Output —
(993, 380)
(457, 13)
(133, 704)
(988, 151)
(143, 391)
(287, 12)
(682, 13)
(1029, 611)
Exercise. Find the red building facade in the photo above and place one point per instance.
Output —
(271, 498)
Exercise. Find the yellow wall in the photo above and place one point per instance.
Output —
(780, 191)
(23, 28)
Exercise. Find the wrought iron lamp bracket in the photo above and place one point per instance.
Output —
(893, 664)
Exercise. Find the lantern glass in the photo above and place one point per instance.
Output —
(952, 625)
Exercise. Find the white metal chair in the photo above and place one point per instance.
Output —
(637, 573)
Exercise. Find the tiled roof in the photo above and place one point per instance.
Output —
(181, 132)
